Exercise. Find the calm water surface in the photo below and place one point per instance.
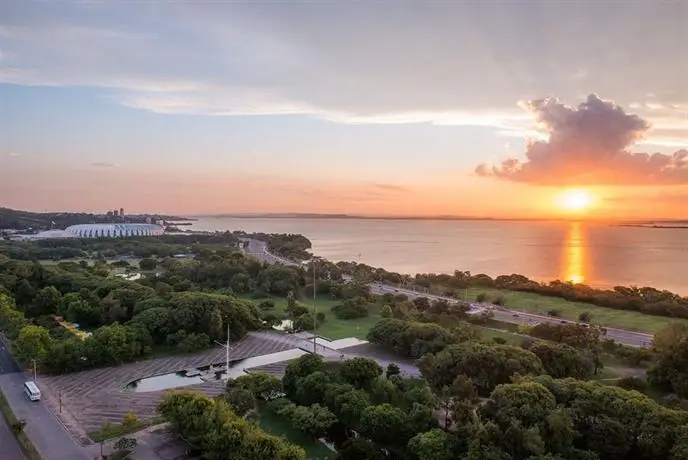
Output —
(596, 254)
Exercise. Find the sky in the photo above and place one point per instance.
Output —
(492, 108)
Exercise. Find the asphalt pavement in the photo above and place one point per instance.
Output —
(46, 433)
(9, 447)
(635, 339)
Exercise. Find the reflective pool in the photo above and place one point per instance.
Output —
(236, 369)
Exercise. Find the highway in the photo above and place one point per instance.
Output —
(43, 429)
(635, 339)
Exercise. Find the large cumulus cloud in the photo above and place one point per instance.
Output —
(589, 145)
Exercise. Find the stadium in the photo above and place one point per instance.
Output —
(113, 230)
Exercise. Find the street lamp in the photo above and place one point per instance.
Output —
(315, 319)
(34, 370)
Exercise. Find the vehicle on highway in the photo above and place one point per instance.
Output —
(32, 391)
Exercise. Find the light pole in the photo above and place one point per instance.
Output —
(315, 316)
(34, 370)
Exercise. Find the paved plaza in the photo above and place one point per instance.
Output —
(91, 398)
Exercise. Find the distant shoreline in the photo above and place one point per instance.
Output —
(675, 224)
(669, 227)
(355, 217)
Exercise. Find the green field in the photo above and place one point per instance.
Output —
(536, 303)
(489, 334)
(333, 327)
(279, 426)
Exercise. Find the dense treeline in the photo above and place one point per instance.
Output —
(290, 246)
(185, 307)
(210, 426)
(646, 300)
(509, 410)
(160, 246)
(23, 220)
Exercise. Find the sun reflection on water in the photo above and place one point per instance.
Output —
(574, 254)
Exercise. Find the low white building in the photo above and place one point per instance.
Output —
(114, 230)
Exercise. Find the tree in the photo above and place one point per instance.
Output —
(386, 312)
(561, 360)
(294, 309)
(46, 302)
(213, 428)
(33, 343)
(432, 445)
(486, 365)
(385, 424)
(529, 403)
(148, 264)
(313, 420)
(261, 385)
(351, 308)
(11, 319)
(359, 449)
(240, 400)
(360, 372)
(392, 369)
(585, 317)
(301, 367)
(311, 388)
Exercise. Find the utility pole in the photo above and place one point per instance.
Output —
(34, 370)
(59, 400)
(315, 319)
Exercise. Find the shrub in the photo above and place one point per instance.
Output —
(554, 312)
(351, 308)
(585, 317)
(480, 298)
(266, 305)
(633, 383)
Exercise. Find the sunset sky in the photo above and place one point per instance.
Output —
(492, 108)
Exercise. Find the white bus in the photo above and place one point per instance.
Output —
(32, 391)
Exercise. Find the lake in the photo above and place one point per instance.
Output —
(596, 254)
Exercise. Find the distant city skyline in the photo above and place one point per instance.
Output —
(484, 109)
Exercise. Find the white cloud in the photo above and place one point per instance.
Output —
(448, 63)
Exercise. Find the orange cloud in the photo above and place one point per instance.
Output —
(589, 145)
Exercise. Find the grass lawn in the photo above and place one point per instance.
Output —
(536, 303)
(279, 426)
(333, 327)
(489, 334)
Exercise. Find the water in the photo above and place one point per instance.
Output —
(236, 369)
(597, 254)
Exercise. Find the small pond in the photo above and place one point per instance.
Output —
(236, 369)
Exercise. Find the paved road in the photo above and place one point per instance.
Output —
(47, 434)
(9, 447)
(632, 338)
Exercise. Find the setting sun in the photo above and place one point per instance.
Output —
(576, 200)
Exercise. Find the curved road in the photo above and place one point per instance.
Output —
(636, 339)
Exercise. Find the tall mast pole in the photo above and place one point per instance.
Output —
(315, 320)
(227, 352)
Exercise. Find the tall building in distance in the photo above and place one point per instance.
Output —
(114, 213)
(121, 212)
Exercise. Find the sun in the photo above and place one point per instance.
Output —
(576, 200)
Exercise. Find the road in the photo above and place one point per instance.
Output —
(9, 447)
(43, 429)
(626, 337)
